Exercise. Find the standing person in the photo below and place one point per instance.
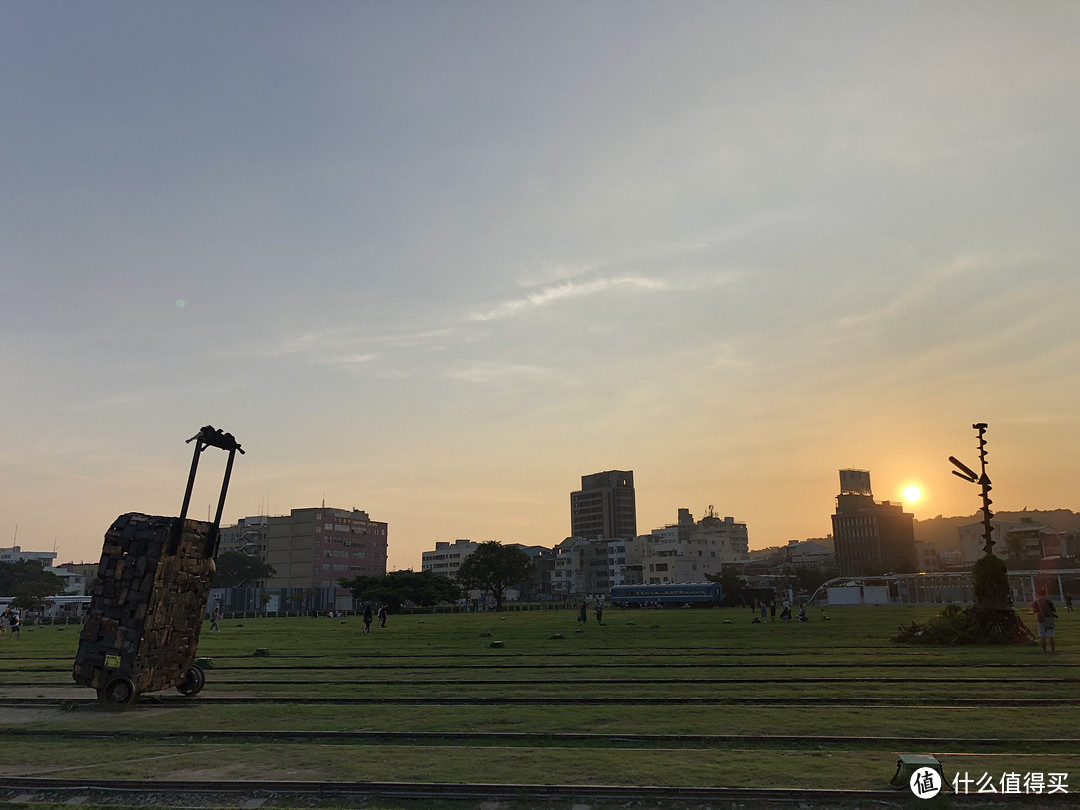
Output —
(1068, 602)
(763, 609)
(382, 615)
(214, 620)
(599, 611)
(772, 611)
(1045, 618)
(14, 624)
(367, 618)
(583, 613)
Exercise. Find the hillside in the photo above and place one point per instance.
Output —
(941, 532)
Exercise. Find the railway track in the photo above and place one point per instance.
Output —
(367, 666)
(529, 738)
(659, 653)
(258, 741)
(175, 701)
(314, 679)
(256, 794)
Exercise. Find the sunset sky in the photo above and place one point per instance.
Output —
(439, 260)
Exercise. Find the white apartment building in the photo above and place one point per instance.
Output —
(687, 551)
(13, 554)
(447, 557)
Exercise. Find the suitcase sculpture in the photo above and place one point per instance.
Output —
(153, 581)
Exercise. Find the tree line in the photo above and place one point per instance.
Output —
(29, 583)
(492, 568)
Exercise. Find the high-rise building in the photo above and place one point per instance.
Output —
(604, 507)
(871, 538)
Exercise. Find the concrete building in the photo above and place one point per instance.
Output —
(14, 554)
(74, 582)
(566, 569)
(586, 566)
(1022, 541)
(312, 548)
(686, 551)
(927, 557)
(249, 535)
(809, 554)
(605, 506)
(539, 589)
(871, 538)
(447, 557)
(88, 572)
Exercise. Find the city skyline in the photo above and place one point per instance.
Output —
(437, 261)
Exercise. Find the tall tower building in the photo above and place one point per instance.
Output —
(604, 507)
(871, 538)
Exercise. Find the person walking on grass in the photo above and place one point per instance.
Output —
(367, 618)
(583, 613)
(1045, 619)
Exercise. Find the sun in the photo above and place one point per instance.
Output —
(912, 493)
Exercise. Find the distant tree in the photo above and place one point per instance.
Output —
(809, 578)
(35, 595)
(494, 567)
(398, 587)
(236, 570)
(731, 584)
(23, 572)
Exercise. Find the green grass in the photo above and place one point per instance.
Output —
(627, 657)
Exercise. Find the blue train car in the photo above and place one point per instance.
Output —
(694, 594)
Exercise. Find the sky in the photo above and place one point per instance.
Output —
(437, 261)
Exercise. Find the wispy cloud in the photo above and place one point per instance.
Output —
(961, 265)
(349, 359)
(490, 372)
(551, 273)
(572, 289)
(345, 345)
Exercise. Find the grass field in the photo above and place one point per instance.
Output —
(725, 702)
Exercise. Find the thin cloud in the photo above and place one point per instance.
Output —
(349, 359)
(904, 299)
(489, 372)
(566, 290)
(344, 345)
